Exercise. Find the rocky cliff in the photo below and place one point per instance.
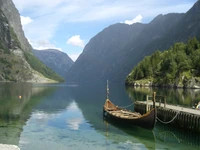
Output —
(17, 63)
(13, 17)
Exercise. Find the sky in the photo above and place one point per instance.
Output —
(68, 25)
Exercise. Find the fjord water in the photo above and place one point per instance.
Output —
(61, 116)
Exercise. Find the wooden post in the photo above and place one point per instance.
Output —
(154, 99)
(160, 103)
(164, 102)
(147, 98)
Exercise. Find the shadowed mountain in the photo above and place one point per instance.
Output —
(56, 60)
(113, 52)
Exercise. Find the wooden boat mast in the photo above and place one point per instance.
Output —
(107, 90)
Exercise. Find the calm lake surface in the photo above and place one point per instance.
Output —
(61, 116)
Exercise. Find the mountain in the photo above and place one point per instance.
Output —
(17, 63)
(100, 55)
(113, 52)
(13, 17)
(187, 27)
(56, 60)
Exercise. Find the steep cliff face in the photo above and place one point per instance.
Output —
(13, 17)
(12, 67)
(56, 60)
(17, 63)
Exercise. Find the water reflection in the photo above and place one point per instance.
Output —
(182, 97)
(75, 117)
(133, 134)
(166, 135)
(15, 110)
(59, 116)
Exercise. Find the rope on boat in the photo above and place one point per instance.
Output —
(170, 120)
(126, 106)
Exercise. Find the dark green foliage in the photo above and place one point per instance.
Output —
(36, 64)
(166, 67)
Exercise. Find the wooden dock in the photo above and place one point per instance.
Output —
(176, 116)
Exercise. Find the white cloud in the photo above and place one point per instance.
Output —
(138, 18)
(76, 41)
(25, 20)
(74, 56)
(43, 44)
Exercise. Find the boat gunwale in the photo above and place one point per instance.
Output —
(128, 111)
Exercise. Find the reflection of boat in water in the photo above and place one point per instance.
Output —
(184, 139)
(134, 136)
(124, 116)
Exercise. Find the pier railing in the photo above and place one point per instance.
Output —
(159, 100)
(176, 116)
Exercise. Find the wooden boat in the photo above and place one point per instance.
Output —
(127, 117)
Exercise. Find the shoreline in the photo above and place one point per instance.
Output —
(161, 86)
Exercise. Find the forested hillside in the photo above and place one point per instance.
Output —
(177, 66)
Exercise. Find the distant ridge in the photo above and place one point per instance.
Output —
(56, 60)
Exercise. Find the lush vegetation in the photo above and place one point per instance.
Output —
(181, 60)
(37, 65)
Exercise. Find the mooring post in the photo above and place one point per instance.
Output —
(164, 102)
(160, 102)
(154, 99)
(147, 99)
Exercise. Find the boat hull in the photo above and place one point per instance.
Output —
(146, 121)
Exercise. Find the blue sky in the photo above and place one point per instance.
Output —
(68, 25)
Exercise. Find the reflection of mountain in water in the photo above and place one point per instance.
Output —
(82, 107)
(90, 100)
(14, 111)
(135, 134)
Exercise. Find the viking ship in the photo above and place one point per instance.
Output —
(127, 117)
